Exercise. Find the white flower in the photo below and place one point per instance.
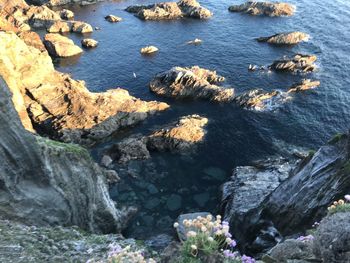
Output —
(176, 224)
(194, 247)
(210, 239)
(203, 229)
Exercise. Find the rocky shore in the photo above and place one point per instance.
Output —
(264, 8)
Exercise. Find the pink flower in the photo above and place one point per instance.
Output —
(347, 198)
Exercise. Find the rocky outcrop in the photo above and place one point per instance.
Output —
(178, 137)
(247, 189)
(69, 26)
(113, 19)
(170, 10)
(63, 2)
(297, 64)
(148, 50)
(43, 182)
(32, 39)
(60, 106)
(290, 38)
(193, 83)
(305, 84)
(303, 198)
(89, 43)
(264, 8)
(61, 46)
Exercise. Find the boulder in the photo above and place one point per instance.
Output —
(148, 50)
(89, 43)
(61, 46)
(60, 106)
(66, 14)
(63, 2)
(264, 8)
(32, 39)
(290, 38)
(196, 41)
(193, 83)
(305, 84)
(170, 10)
(113, 19)
(69, 26)
(298, 63)
(246, 190)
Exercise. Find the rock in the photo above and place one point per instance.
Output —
(196, 41)
(48, 172)
(252, 67)
(260, 100)
(61, 106)
(194, 83)
(60, 46)
(305, 84)
(291, 250)
(180, 136)
(148, 50)
(32, 39)
(159, 242)
(181, 229)
(264, 8)
(69, 26)
(215, 173)
(332, 238)
(295, 64)
(174, 202)
(112, 177)
(303, 198)
(247, 189)
(290, 38)
(170, 10)
(63, 2)
(89, 43)
(106, 161)
(113, 19)
(201, 199)
(66, 14)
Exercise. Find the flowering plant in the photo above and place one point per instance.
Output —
(207, 236)
(342, 205)
(117, 254)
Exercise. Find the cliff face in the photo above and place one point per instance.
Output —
(43, 182)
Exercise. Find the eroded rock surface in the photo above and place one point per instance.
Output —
(44, 182)
(60, 106)
(178, 137)
(193, 83)
(170, 10)
(89, 43)
(295, 64)
(264, 8)
(61, 46)
(305, 84)
(290, 38)
(148, 50)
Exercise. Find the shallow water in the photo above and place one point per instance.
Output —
(234, 136)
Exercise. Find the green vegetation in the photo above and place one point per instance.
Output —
(337, 138)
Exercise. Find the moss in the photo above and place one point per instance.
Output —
(337, 138)
(66, 147)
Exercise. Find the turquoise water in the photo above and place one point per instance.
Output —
(168, 184)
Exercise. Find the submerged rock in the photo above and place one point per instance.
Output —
(148, 50)
(170, 10)
(61, 46)
(305, 84)
(247, 189)
(178, 137)
(290, 38)
(113, 19)
(264, 8)
(295, 64)
(60, 106)
(89, 43)
(193, 83)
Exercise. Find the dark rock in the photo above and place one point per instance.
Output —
(290, 38)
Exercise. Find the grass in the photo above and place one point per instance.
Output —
(340, 208)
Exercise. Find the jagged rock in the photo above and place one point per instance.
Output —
(194, 83)
(32, 39)
(113, 19)
(260, 100)
(264, 8)
(44, 182)
(66, 14)
(305, 84)
(106, 161)
(170, 10)
(332, 238)
(298, 63)
(180, 136)
(61, 46)
(89, 43)
(148, 50)
(247, 189)
(303, 198)
(69, 26)
(60, 106)
(290, 38)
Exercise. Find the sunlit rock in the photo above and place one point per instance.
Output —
(264, 8)
(290, 38)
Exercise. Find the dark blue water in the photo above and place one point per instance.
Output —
(234, 136)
